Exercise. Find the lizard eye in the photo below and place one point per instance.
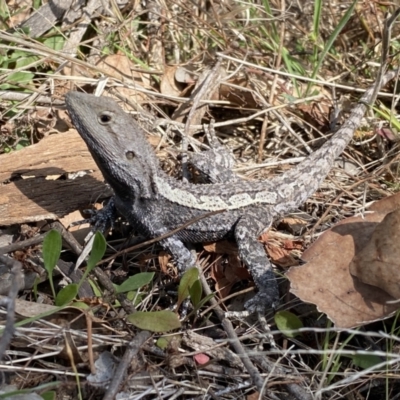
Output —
(130, 155)
(104, 118)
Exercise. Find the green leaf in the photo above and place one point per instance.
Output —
(14, 57)
(134, 297)
(365, 361)
(24, 60)
(286, 321)
(55, 42)
(49, 395)
(66, 295)
(51, 253)
(98, 250)
(35, 287)
(206, 299)
(156, 321)
(80, 304)
(20, 77)
(96, 290)
(51, 250)
(196, 291)
(386, 113)
(27, 391)
(22, 144)
(187, 281)
(328, 45)
(164, 341)
(135, 282)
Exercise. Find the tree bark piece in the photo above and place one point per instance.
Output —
(36, 182)
(46, 17)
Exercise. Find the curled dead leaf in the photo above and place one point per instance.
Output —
(279, 248)
(378, 262)
(169, 85)
(226, 275)
(325, 280)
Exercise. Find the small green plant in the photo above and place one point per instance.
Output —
(319, 57)
(51, 254)
(164, 321)
(288, 323)
(21, 392)
(132, 284)
(24, 64)
(388, 115)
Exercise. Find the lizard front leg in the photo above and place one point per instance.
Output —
(252, 253)
(101, 220)
(183, 258)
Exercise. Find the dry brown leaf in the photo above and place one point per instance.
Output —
(279, 249)
(293, 244)
(29, 309)
(235, 271)
(237, 96)
(121, 67)
(117, 66)
(221, 247)
(169, 85)
(294, 224)
(217, 271)
(79, 231)
(186, 74)
(226, 275)
(45, 120)
(379, 261)
(253, 396)
(316, 112)
(386, 205)
(280, 256)
(326, 280)
(210, 91)
(163, 259)
(222, 284)
(70, 350)
(223, 287)
(24, 11)
(68, 318)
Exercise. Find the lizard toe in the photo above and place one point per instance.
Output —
(262, 302)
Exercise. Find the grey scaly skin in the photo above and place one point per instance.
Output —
(155, 203)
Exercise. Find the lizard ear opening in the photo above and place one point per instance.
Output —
(130, 155)
(104, 117)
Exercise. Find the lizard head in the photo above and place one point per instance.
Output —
(117, 143)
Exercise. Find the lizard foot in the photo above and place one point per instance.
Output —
(262, 302)
(104, 219)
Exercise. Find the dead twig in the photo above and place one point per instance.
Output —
(131, 352)
(9, 302)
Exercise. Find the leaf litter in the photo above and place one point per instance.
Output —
(245, 94)
(351, 271)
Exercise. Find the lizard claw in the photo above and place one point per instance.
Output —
(104, 218)
(262, 302)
